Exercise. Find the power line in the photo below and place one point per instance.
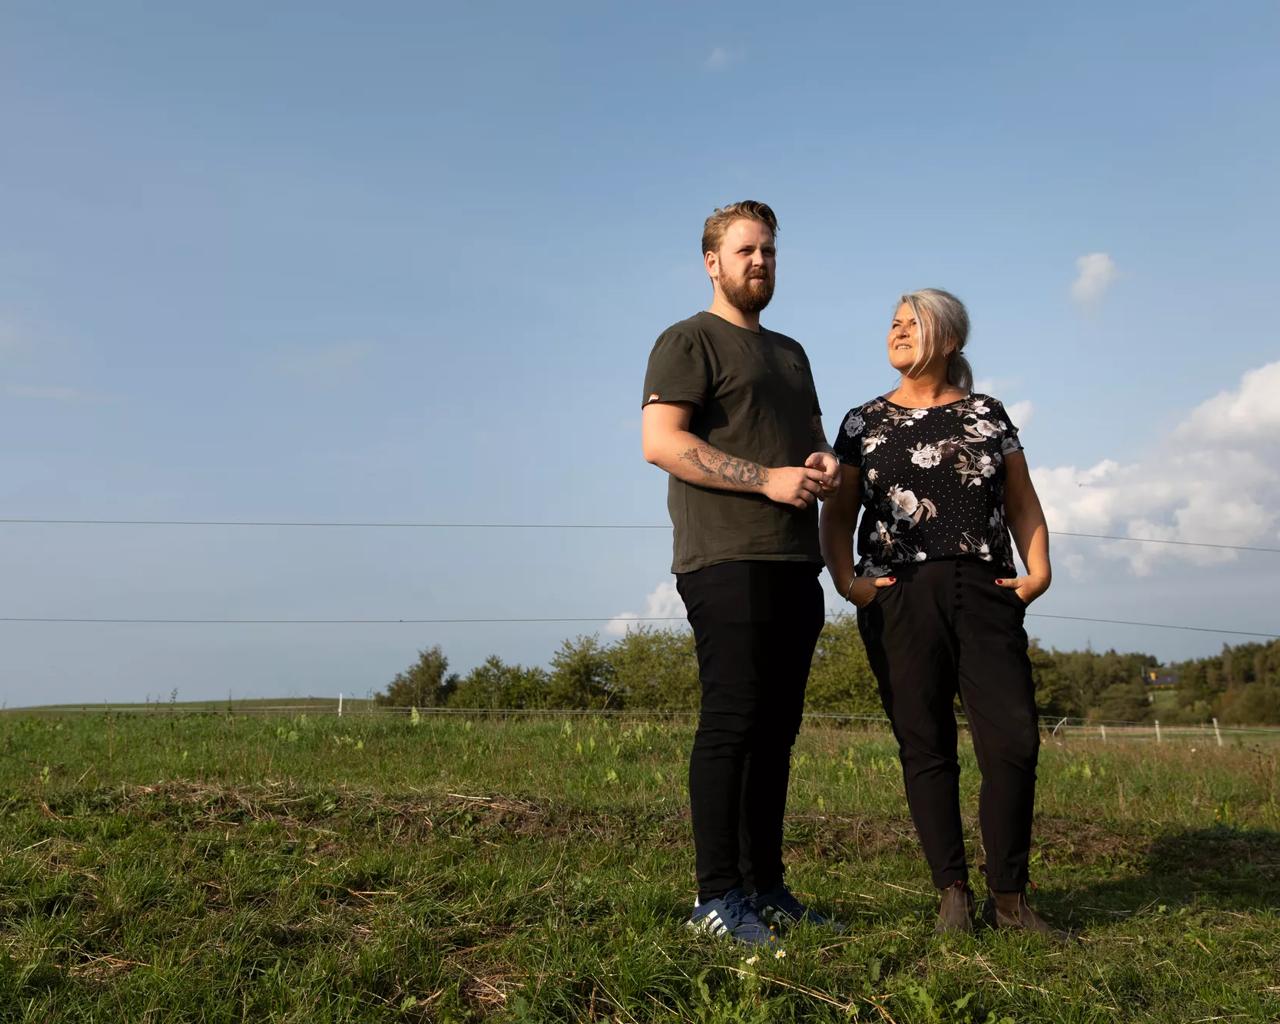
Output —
(525, 526)
(1158, 540)
(335, 525)
(545, 619)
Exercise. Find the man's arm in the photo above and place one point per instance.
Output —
(824, 460)
(669, 445)
(819, 436)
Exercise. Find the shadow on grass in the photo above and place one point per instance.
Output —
(1218, 868)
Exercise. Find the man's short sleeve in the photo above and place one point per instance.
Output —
(848, 442)
(817, 409)
(677, 371)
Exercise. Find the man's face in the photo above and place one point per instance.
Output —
(743, 269)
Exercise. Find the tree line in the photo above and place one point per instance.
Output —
(655, 669)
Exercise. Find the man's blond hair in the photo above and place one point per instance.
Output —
(718, 223)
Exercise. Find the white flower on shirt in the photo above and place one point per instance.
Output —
(904, 503)
(871, 442)
(926, 456)
(854, 425)
(872, 474)
(986, 428)
(921, 556)
(980, 407)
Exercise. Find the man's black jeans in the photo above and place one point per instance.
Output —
(755, 624)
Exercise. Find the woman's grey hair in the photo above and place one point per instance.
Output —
(942, 318)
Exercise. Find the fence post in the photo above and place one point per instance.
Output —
(339, 705)
(1157, 730)
(1103, 729)
(1217, 732)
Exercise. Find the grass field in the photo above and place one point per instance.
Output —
(182, 867)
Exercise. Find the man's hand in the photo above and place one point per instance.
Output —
(1028, 588)
(798, 486)
(829, 465)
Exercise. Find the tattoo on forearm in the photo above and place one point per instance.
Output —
(711, 463)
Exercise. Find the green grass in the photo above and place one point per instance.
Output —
(210, 868)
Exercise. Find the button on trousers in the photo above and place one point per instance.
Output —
(946, 628)
(755, 625)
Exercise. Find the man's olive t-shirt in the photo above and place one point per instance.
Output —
(753, 398)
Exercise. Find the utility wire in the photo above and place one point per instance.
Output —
(343, 525)
(579, 618)
(525, 526)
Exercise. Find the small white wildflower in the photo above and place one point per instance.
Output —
(780, 954)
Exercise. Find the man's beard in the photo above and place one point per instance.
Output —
(748, 295)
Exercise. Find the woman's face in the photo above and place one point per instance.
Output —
(904, 339)
(905, 344)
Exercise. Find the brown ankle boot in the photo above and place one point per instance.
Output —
(1011, 910)
(955, 914)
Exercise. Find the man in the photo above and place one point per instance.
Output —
(731, 413)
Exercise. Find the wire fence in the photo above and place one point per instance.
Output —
(1051, 727)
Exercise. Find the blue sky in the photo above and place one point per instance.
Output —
(329, 262)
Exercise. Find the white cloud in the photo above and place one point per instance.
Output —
(663, 602)
(1020, 413)
(1251, 413)
(720, 58)
(9, 340)
(1096, 271)
(54, 394)
(1216, 480)
(322, 363)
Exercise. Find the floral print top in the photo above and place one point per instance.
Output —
(932, 481)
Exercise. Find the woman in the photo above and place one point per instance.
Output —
(941, 477)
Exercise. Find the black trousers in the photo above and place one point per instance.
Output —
(946, 628)
(755, 625)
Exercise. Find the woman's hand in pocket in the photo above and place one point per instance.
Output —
(863, 590)
(1028, 588)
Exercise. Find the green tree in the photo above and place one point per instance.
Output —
(1055, 696)
(840, 679)
(582, 676)
(495, 684)
(424, 684)
(656, 669)
(1123, 702)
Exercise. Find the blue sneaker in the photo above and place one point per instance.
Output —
(732, 915)
(779, 907)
